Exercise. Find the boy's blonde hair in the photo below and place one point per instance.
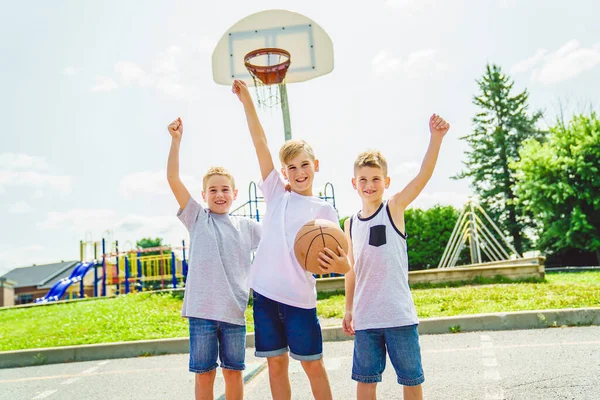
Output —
(292, 148)
(212, 171)
(371, 158)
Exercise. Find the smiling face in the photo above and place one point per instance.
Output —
(219, 193)
(300, 172)
(370, 183)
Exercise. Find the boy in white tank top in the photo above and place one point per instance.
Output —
(284, 294)
(380, 311)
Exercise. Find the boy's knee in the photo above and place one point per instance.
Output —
(313, 367)
(278, 364)
(206, 378)
(232, 374)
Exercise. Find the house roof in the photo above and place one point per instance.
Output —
(39, 275)
(64, 274)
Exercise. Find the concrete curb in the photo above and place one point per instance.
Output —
(466, 323)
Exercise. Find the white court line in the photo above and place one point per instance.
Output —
(69, 381)
(491, 375)
(103, 362)
(490, 362)
(89, 370)
(45, 394)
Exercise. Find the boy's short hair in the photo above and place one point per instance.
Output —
(212, 171)
(292, 148)
(371, 158)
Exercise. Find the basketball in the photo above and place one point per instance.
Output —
(312, 239)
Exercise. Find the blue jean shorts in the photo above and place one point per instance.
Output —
(211, 340)
(280, 328)
(402, 344)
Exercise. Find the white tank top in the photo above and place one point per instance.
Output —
(382, 296)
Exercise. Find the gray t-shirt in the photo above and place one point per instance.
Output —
(219, 262)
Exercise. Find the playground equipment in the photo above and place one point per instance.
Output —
(470, 227)
(121, 272)
(273, 47)
(58, 290)
(142, 269)
(255, 207)
(118, 272)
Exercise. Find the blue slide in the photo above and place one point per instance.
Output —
(58, 290)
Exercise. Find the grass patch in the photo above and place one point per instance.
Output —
(156, 316)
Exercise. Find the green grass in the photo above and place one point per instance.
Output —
(558, 290)
(154, 316)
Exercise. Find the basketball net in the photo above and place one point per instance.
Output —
(268, 67)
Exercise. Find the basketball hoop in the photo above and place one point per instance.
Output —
(267, 67)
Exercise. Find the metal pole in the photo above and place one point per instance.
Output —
(117, 263)
(285, 110)
(173, 271)
(184, 263)
(103, 267)
(126, 256)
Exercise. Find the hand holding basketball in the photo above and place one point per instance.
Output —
(240, 89)
(313, 247)
(438, 126)
(176, 129)
(331, 261)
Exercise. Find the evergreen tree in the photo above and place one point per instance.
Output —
(500, 127)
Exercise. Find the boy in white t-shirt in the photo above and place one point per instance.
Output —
(284, 294)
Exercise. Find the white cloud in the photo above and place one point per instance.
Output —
(567, 62)
(19, 208)
(427, 200)
(79, 220)
(12, 161)
(166, 64)
(95, 223)
(165, 75)
(104, 84)
(132, 74)
(528, 63)
(21, 257)
(154, 183)
(418, 63)
(36, 180)
(70, 71)
(403, 173)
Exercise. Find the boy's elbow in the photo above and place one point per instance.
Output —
(171, 177)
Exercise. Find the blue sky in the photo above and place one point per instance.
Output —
(88, 89)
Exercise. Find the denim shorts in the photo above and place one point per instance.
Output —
(210, 340)
(402, 344)
(279, 327)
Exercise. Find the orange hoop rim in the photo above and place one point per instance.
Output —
(268, 74)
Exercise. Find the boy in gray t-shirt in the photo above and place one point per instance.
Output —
(216, 291)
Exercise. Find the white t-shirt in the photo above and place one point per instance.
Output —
(275, 272)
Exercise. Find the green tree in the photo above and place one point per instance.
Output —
(428, 234)
(342, 220)
(558, 181)
(500, 127)
(147, 243)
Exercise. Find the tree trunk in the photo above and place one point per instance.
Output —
(598, 255)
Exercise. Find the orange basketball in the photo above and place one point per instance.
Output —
(312, 239)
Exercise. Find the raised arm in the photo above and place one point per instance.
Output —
(265, 160)
(438, 128)
(177, 187)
